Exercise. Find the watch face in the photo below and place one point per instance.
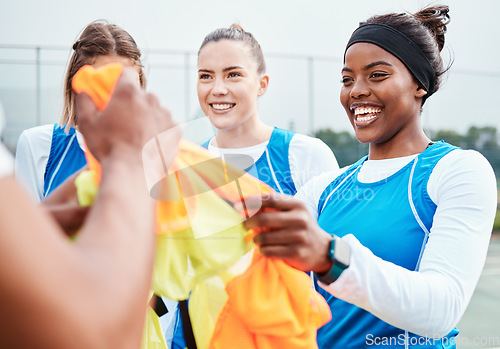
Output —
(342, 252)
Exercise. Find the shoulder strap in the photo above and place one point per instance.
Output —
(206, 143)
(186, 325)
(337, 182)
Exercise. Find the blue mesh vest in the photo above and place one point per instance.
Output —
(393, 218)
(273, 167)
(65, 158)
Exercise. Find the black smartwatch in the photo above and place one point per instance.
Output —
(339, 254)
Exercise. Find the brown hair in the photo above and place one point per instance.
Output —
(236, 33)
(99, 38)
(426, 29)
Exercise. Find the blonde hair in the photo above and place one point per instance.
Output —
(236, 33)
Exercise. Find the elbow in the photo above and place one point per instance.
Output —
(445, 315)
(436, 329)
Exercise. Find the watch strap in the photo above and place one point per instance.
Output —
(336, 269)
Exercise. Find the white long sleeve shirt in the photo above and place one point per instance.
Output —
(32, 154)
(6, 161)
(307, 157)
(431, 301)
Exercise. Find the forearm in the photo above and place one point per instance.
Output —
(427, 304)
(109, 264)
(95, 289)
(432, 300)
(119, 229)
(123, 204)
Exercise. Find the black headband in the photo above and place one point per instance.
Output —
(398, 44)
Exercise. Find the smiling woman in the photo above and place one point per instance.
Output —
(228, 92)
(382, 101)
(397, 241)
(231, 78)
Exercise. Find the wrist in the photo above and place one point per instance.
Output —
(339, 254)
(124, 166)
(326, 263)
(122, 159)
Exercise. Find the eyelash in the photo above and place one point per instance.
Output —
(345, 80)
(230, 75)
(378, 75)
(373, 75)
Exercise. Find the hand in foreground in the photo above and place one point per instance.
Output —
(286, 230)
(131, 118)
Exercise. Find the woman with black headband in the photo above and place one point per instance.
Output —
(397, 241)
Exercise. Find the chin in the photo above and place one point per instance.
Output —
(363, 141)
(363, 137)
(223, 126)
(218, 122)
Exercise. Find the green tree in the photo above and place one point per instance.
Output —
(482, 139)
(485, 140)
(346, 147)
(449, 136)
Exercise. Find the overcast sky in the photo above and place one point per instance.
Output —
(287, 27)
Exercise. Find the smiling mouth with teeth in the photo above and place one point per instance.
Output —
(222, 106)
(365, 114)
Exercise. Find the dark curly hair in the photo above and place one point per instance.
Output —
(426, 29)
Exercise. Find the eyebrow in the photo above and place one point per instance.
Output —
(233, 67)
(369, 66)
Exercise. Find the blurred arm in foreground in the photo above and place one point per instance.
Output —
(93, 292)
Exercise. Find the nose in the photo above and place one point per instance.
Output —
(359, 89)
(219, 88)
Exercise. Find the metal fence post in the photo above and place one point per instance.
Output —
(311, 94)
(186, 86)
(38, 87)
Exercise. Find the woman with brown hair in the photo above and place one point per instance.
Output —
(46, 155)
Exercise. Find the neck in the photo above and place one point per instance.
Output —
(241, 137)
(404, 143)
